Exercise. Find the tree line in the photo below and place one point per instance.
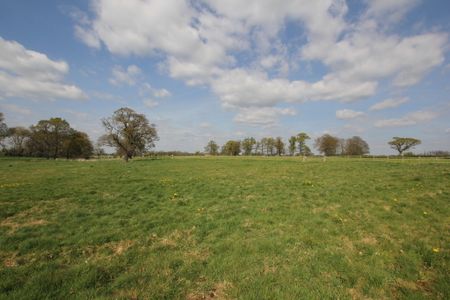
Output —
(128, 132)
(50, 138)
(131, 134)
(297, 145)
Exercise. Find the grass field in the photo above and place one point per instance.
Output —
(225, 228)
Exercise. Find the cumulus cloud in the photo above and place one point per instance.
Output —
(346, 114)
(265, 116)
(146, 89)
(236, 47)
(389, 103)
(29, 74)
(390, 10)
(410, 119)
(128, 76)
(161, 93)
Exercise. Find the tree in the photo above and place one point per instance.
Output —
(231, 148)
(258, 149)
(292, 146)
(3, 129)
(327, 144)
(212, 148)
(248, 145)
(129, 132)
(302, 147)
(402, 144)
(279, 146)
(356, 146)
(17, 137)
(77, 144)
(47, 137)
(270, 146)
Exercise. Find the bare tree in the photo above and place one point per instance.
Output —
(129, 132)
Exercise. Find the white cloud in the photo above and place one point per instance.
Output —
(265, 116)
(161, 93)
(390, 10)
(447, 130)
(389, 103)
(346, 114)
(128, 76)
(410, 119)
(239, 87)
(146, 90)
(205, 43)
(150, 103)
(29, 74)
(16, 109)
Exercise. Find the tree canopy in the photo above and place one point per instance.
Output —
(327, 144)
(129, 133)
(212, 148)
(231, 148)
(356, 146)
(402, 144)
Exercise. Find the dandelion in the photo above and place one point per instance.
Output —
(425, 213)
(436, 250)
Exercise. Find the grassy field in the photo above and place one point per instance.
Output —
(225, 228)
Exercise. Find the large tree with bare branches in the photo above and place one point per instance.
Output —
(129, 133)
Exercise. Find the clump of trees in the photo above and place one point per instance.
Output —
(129, 133)
(331, 145)
(50, 138)
(232, 148)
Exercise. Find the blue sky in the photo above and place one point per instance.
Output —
(222, 70)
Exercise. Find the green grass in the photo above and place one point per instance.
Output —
(219, 228)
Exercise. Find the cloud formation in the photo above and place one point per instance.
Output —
(204, 42)
(128, 76)
(389, 103)
(264, 116)
(346, 114)
(32, 75)
(410, 119)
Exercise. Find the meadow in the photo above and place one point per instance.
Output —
(225, 228)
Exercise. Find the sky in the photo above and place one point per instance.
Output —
(221, 70)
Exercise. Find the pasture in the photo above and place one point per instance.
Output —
(225, 228)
